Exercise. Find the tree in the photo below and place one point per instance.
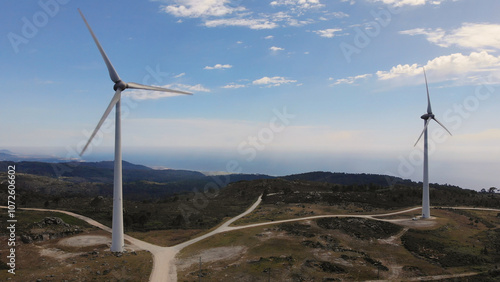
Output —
(97, 202)
(492, 189)
(264, 194)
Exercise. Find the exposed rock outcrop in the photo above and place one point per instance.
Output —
(49, 228)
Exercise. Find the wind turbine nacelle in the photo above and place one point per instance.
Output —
(427, 116)
(120, 85)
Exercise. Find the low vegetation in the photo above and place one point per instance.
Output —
(463, 241)
(361, 228)
(45, 259)
(351, 249)
(171, 208)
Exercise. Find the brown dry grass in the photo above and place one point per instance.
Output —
(51, 261)
(167, 238)
(290, 259)
(271, 212)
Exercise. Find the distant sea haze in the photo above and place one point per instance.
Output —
(285, 163)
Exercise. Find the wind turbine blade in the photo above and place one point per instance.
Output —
(134, 85)
(442, 125)
(429, 110)
(425, 127)
(113, 102)
(112, 72)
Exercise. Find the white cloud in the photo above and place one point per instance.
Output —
(273, 81)
(459, 69)
(250, 23)
(340, 15)
(234, 86)
(399, 3)
(448, 67)
(153, 95)
(400, 70)
(222, 13)
(470, 35)
(218, 67)
(288, 19)
(351, 79)
(275, 49)
(328, 33)
(148, 95)
(200, 8)
(298, 4)
(434, 36)
(180, 75)
(269, 37)
(193, 88)
(297, 23)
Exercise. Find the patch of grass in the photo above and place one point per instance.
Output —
(26, 218)
(74, 263)
(282, 211)
(297, 229)
(361, 228)
(458, 243)
(167, 238)
(225, 239)
(282, 253)
(324, 266)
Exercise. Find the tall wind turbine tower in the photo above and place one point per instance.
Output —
(117, 241)
(426, 209)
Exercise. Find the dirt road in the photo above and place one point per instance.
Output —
(164, 268)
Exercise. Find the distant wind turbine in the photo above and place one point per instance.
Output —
(426, 210)
(117, 242)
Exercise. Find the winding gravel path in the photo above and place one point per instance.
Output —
(164, 268)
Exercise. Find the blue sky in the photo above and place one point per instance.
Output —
(284, 86)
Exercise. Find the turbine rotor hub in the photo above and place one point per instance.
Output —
(427, 116)
(120, 85)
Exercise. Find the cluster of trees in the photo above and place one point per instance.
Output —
(490, 190)
(187, 203)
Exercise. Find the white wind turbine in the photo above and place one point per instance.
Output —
(426, 210)
(117, 242)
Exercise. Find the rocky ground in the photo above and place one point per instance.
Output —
(52, 250)
(47, 229)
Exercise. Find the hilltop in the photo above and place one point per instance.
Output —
(171, 199)
(186, 204)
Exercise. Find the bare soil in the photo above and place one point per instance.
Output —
(85, 241)
(211, 255)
